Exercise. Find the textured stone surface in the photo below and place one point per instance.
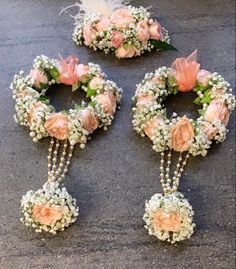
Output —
(118, 170)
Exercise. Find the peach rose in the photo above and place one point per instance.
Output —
(88, 34)
(217, 93)
(68, 70)
(158, 81)
(122, 18)
(209, 130)
(144, 100)
(129, 52)
(46, 215)
(117, 39)
(142, 31)
(38, 77)
(35, 108)
(103, 24)
(88, 119)
(155, 31)
(186, 70)
(82, 72)
(217, 110)
(163, 221)
(182, 134)
(57, 125)
(96, 83)
(152, 125)
(203, 77)
(107, 101)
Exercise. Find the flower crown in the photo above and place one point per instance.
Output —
(112, 26)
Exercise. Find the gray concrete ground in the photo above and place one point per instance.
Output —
(118, 170)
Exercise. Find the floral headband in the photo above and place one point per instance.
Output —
(115, 26)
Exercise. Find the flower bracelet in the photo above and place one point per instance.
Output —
(51, 208)
(169, 216)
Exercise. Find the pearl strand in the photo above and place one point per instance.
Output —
(58, 172)
(165, 172)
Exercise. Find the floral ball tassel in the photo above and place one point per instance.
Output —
(51, 209)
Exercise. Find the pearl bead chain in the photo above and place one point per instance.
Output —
(165, 172)
(58, 172)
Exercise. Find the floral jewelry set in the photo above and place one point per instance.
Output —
(112, 26)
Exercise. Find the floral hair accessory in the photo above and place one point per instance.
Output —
(115, 26)
(51, 208)
(169, 216)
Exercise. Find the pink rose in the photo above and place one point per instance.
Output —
(38, 77)
(144, 100)
(209, 130)
(103, 24)
(57, 126)
(217, 111)
(182, 134)
(122, 18)
(155, 31)
(82, 72)
(107, 101)
(117, 39)
(88, 119)
(46, 215)
(203, 77)
(35, 109)
(166, 221)
(142, 31)
(88, 34)
(96, 83)
(129, 52)
(152, 125)
(68, 70)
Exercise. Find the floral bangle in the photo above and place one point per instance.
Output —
(51, 208)
(169, 216)
(112, 26)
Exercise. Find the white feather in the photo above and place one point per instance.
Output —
(100, 7)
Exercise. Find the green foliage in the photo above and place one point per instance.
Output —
(55, 74)
(161, 45)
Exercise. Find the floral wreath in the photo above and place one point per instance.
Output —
(181, 134)
(112, 26)
(52, 208)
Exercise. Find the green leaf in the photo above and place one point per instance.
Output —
(78, 106)
(175, 90)
(92, 104)
(44, 100)
(162, 45)
(91, 92)
(197, 101)
(75, 87)
(172, 81)
(201, 111)
(43, 85)
(126, 45)
(55, 74)
(207, 98)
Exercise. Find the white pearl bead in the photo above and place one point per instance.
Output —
(32, 134)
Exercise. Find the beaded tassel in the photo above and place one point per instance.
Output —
(57, 169)
(165, 172)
